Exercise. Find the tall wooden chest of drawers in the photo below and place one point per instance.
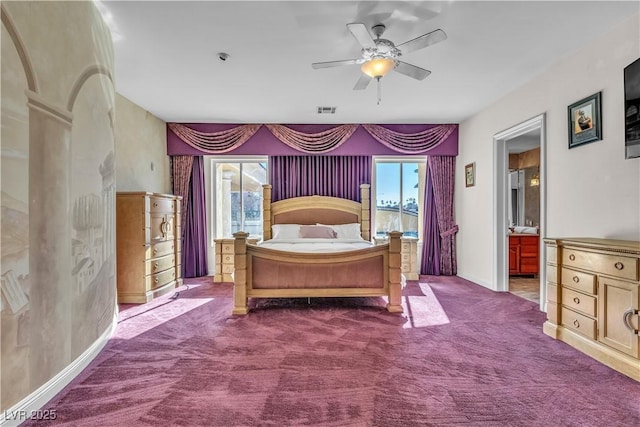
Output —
(593, 298)
(148, 241)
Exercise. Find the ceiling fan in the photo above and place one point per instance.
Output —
(380, 56)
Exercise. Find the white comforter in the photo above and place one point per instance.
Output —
(316, 245)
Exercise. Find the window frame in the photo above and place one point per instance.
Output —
(213, 161)
(374, 190)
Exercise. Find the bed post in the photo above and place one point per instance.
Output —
(240, 273)
(266, 212)
(395, 275)
(365, 211)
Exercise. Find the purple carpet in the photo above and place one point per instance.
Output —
(459, 355)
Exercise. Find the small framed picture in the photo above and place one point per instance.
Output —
(585, 120)
(470, 175)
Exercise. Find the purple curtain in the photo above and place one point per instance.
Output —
(442, 172)
(194, 241)
(336, 176)
(430, 262)
(180, 176)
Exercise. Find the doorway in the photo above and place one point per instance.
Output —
(519, 180)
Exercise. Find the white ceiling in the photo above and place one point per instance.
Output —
(166, 55)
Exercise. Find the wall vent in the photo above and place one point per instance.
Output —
(327, 110)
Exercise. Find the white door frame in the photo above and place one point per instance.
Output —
(500, 205)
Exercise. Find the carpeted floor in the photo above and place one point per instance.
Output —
(459, 355)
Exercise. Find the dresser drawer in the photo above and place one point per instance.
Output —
(613, 265)
(159, 249)
(161, 227)
(161, 205)
(406, 247)
(579, 323)
(578, 280)
(227, 248)
(582, 303)
(160, 264)
(552, 274)
(160, 279)
(552, 292)
(552, 312)
(552, 254)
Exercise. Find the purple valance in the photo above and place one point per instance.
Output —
(410, 143)
(316, 143)
(277, 139)
(215, 142)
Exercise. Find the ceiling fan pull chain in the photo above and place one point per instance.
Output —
(379, 90)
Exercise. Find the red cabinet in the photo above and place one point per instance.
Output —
(523, 254)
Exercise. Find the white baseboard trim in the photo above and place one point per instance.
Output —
(30, 405)
(477, 281)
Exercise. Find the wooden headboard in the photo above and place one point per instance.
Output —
(317, 209)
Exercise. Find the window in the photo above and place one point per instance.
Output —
(237, 195)
(399, 190)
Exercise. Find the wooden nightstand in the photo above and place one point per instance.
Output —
(224, 259)
(409, 260)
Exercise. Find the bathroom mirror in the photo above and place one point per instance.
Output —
(524, 197)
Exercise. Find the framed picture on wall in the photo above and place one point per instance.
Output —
(470, 175)
(585, 120)
(632, 110)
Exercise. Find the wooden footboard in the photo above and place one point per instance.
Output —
(268, 273)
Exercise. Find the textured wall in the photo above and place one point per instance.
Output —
(58, 190)
(142, 163)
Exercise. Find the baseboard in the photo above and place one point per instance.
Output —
(477, 281)
(30, 405)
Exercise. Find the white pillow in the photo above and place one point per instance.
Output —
(285, 231)
(346, 231)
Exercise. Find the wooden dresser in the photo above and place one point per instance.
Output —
(523, 254)
(593, 299)
(148, 241)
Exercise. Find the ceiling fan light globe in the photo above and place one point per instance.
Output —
(378, 67)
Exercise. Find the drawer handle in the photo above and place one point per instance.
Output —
(156, 265)
(626, 319)
(576, 323)
(156, 280)
(572, 257)
(576, 300)
(155, 251)
(619, 265)
(576, 279)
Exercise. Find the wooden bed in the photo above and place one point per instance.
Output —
(268, 273)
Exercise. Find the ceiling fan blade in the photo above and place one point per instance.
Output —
(412, 71)
(362, 82)
(329, 64)
(361, 33)
(422, 41)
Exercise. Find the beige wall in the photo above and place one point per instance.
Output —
(591, 189)
(58, 190)
(142, 163)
